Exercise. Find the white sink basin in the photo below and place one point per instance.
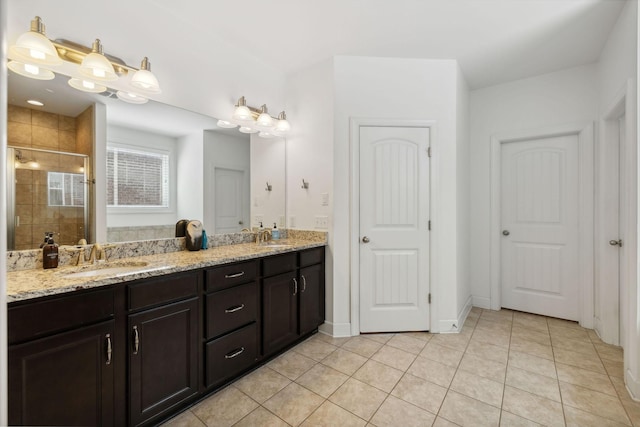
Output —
(109, 269)
(271, 245)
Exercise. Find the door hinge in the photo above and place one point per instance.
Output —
(429, 298)
(429, 151)
(429, 225)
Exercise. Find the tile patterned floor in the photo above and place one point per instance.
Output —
(504, 369)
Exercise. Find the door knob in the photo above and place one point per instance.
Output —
(365, 239)
(615, 243)
(505, 232)
(240, 222)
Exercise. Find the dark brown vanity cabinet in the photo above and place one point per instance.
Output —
(293, 297)
(66, 375)
(163, 344)
(231, 321)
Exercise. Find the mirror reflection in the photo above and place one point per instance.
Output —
(156, 164)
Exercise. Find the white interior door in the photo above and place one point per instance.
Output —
(622, 221)
(230, 216)
(539, 250)
(394, 216)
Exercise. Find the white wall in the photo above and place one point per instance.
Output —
(190, 170)
(463, 197)
(562, 97)
(403, 89)
(268, 165)
(143, 139)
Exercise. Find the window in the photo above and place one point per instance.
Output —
(65, 189)
(137, 178)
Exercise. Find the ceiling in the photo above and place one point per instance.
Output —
(494, 40)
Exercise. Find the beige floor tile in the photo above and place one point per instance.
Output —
(185, 419)
(621, 388)
(380, 338)
(570, 333)
(314, 349)
(531, 335)
(395, 412)
(455, 341)
(291, 364)
(633, 411)
(322, 380)
(577, 418)
(330, 415)
(262, 383)
(466, 411)
(359, 398)
(537, 384)
(362, 346)
(613, 368)
(553, 322)
(532, 363)
(497, 315)
(610, 352)
(424, 336)
(406, 343)
(470, 323)
(577, 346)
(488, 351)
(445, 355)
(442, 422)
(482, 389)
(484, 367)
(536, 323)
(532, 407)
(603, 405)
(394, 357)
(420, 392)
(431, 370)
(224, 408)
(491, 337)
(378, 375)
(588, 379)
(579, 360)
(531, 347)
(494, 326)
(593, 335)
(337, 341)
(507, 419)
(344, 361)
(261, 417)
(294, 404)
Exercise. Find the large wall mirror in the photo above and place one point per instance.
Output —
(160, 164)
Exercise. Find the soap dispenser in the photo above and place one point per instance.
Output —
(50, 254)
(275, 233)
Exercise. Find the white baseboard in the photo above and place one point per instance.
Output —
(462, 316)
(449, 326)
(336, 330)
(633, 386)
(481, 302)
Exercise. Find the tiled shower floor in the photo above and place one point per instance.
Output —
(505, 368)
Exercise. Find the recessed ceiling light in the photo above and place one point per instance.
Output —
(35, 102)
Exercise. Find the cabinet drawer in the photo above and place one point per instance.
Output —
(38, 319)
(231, 354)
(279, 264)
(229, 309)
(311, 256)
(230, 275)
(162, 290)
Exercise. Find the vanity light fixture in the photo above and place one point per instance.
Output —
(269, 187)
(34, 54)
(253, 120)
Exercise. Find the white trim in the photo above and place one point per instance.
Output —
(481, 302)
(335, 329)
(584, 131)
(354, 208)
(462, 316)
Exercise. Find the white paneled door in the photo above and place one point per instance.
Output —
(394, 234)
(540, 220)
(229, 198)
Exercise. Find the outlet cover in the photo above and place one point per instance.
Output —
(324, 199)
(322, 222)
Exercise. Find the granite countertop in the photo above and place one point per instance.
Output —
(27, 284)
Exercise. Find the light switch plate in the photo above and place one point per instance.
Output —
(322, 222)
(325, 199)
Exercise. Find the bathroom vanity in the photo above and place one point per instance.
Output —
(132, 350)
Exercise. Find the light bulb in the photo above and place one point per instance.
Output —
(86, 85)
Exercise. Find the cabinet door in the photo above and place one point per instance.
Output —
(311, 298)
(66, 379)
(163, 360)
(280, 312)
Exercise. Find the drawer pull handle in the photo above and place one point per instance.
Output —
(235, 353)
(295, 286)
(304, 283)
(136, 340)
(233, 276)
(109, 348)
(234, 309)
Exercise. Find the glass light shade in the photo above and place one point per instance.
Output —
(282, 126)
(264, 121)
(34, 47)
(131, 98)
(86, 85)
(146, 81)
(247, 129)
(96, 66)
(267, 135)
(226, 124)
(243, 113)
(31, 71)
